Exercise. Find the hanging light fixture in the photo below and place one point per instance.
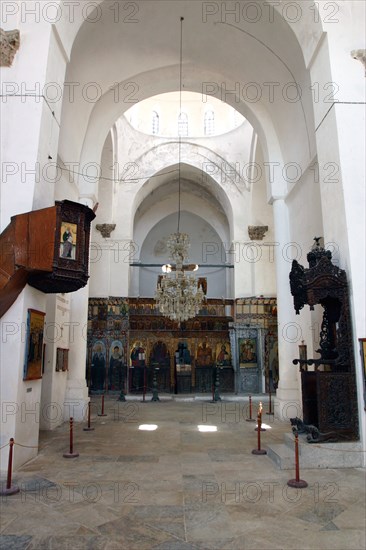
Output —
(178, 294)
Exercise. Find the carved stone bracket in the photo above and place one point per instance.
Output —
(257, 232)
(361, 56)
(9, 45)
(106, 229)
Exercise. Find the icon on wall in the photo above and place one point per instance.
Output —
(223, 354)
(247, 352)
(98, 366)
(116, 364)
(68, 238)
(34, 346)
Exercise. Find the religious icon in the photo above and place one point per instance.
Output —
(34, 345)
(68, 238)
(98, 366)
(116, 364)
(223, 356)
(204, 355)
(247, 352)
(138, 355)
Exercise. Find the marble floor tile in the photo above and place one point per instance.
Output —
(176, 489)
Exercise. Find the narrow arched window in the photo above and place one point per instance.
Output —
(209, 123)
(183, 125)
(155, 123)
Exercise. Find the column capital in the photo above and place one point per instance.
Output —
(9, 45)
(360, 55)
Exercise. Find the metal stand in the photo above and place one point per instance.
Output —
(216, 396)
(270, 403)
(144, 388)
(155, 396)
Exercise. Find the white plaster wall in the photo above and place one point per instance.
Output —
(194, 105)
(305, 215)
(101, 249)
(223, 67)
(149, 61)
(221, 165)
(57, 335)
(30, 115)
(263, 266)
(66, 184)
(244, 204)
(154, 250)
(21, 400)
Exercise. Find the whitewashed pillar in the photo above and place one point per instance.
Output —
(287, 402)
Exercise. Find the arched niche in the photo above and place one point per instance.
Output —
(202, 234)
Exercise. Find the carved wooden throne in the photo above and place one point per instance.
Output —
(329, 395)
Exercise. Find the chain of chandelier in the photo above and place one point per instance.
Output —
(178, 295)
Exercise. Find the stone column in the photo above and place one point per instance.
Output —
(76, 394)
(287, 402)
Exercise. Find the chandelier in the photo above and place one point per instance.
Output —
(178, 295)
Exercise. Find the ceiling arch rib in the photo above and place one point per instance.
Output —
(163, 202)
(306, 23)
(148, 61)
(209, 169)
(106, 112)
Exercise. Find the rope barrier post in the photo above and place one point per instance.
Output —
(250, 419)
(71, 454)
(259, 451)
(297, 483)
(259, 427)
(10, 489)
(89, 428)
(102, 413)
(270, 402)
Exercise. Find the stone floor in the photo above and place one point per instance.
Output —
(177, 488)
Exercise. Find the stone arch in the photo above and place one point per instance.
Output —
(284, 60)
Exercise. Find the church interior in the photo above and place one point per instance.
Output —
(182, 251)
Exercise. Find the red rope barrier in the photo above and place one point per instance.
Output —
(89, 428)
(297, 482)
(71, 454)
(10, 489)
(259, 451)
(250, 419)
(102, 413)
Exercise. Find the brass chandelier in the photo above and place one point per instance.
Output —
(178, 295)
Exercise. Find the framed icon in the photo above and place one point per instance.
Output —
(68, 240)
(34, 345)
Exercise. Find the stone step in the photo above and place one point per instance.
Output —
(316, 455)
(281, 455)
